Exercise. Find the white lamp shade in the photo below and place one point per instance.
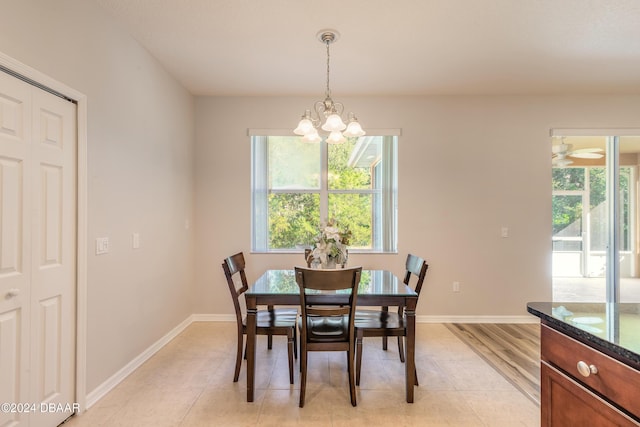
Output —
(312, 136)
(354, 129)
(304, 127)
(334, 123)
(335, 137)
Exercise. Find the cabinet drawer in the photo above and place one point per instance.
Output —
(567, 403)
(617, 381)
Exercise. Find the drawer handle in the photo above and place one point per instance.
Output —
(586, 369)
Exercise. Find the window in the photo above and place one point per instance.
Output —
(297, 185)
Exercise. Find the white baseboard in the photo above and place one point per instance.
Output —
(213, 317)
(477, 319)
(104, 388)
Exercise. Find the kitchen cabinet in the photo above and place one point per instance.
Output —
(589, 373)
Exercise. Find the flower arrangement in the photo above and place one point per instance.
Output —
(330, 245)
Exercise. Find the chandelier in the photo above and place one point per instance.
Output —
(328, 110)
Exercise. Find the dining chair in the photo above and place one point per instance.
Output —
(384, 323)
(274, 321)
(324, 325)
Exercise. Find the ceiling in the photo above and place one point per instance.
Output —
(391, 47)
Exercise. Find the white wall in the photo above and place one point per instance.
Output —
(140, 167)
(468, 166)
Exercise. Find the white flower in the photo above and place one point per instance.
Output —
(331, 243)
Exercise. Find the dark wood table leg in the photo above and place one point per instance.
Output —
(251, 345)
(410, 358)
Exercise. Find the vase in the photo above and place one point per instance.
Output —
(331, 263)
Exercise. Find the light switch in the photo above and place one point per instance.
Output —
(135, 240)
(102, 245)
(504, 232)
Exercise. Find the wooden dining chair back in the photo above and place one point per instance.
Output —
(279, 321)
(384, 323)
(415, 267)
(326, 322)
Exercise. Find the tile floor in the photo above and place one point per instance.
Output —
(189, 383)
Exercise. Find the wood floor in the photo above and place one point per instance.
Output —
(511, 349)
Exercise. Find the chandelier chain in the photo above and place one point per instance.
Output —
(328, 91)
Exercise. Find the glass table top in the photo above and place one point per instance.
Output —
(372, 282)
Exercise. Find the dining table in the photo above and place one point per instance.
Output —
(376, 288)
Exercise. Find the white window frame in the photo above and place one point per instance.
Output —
(386, 224)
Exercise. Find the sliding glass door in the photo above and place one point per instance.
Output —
(628, 241)
(595, 216)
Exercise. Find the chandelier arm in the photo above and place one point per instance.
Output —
(320, 110)
(338, 108)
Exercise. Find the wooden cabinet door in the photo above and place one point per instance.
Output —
(565, 403)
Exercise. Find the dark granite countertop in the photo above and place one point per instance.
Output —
(613, 329)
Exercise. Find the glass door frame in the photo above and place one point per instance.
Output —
(612, 162)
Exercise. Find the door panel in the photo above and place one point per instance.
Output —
(53, 255)
(51, 349)
(11, 184)
(37, 253)
(15, 262)
(10, 369)
(51, 216)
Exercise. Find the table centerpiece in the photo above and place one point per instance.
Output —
(330, 245)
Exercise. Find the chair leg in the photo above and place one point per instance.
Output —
(238, 358)
(270, 337)
(290, 350)
(384, 339)
(358, 356)
(300, 352)
(352, 386)
(295, 342)
(401, 352)
(303, 374)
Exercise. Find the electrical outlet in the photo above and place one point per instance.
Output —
(456, 286)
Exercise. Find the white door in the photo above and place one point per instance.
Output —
(37, 255)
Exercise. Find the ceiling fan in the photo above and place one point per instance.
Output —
(563, 150)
